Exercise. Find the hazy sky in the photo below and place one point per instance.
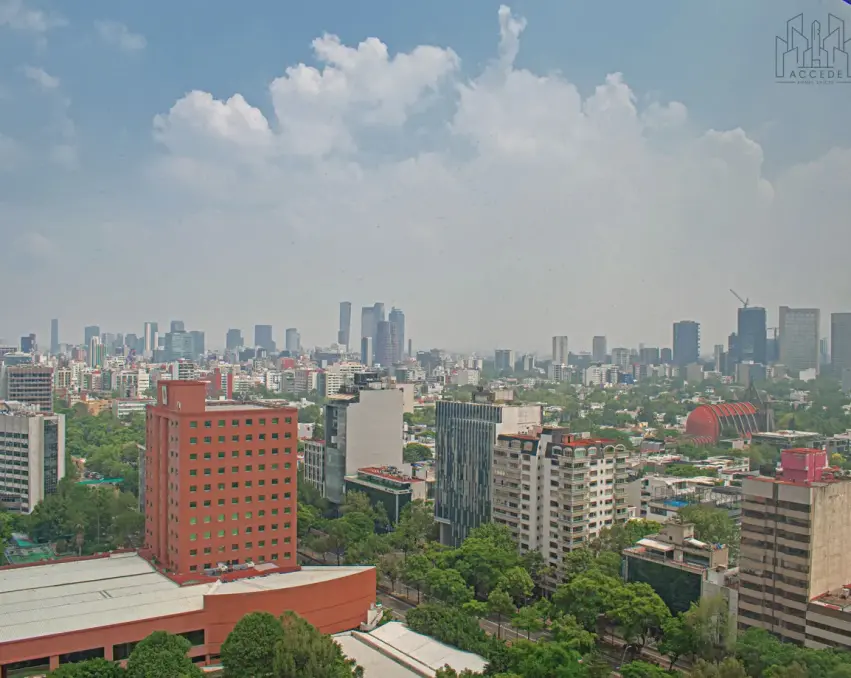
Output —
(502, 174)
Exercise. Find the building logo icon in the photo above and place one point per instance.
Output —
(811, 55)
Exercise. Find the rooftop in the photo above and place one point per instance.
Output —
(64, 597)
(787, 434)
(390, 473)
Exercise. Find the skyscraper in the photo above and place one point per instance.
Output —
(840, 342)
(378, 309)
(386, 344)
(686, 342)
(199, 346)
(151, 331)
(397, 319)
(97, 352)
(233, 340)
(598, 349)
(292, 340)
(178, 326)
(560, 350)
(751, 337)
(89, 332)
(503, 360)
(29, 344)
(368, 322)
(263, 337)
(54, 336)
(344, 332)
(799, 338)
(366, 351)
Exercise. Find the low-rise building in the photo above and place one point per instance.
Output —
(125, 407)
(389, 486)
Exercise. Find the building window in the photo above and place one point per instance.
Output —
(221, 423)
(208, 455)
(234, 485)
(234, 516)
(193, 552)
(207, 519)
(193, 488)
(220, 533)
(193, 472)
(193, 424)
(193, 441)
(262, 422)
(193, 456)
(234, 454)
(193, 520)
(208, 440)
(274, 481)
(208, 424)
(207, 488)
(274, 451)
(193, 504)
(274, 556)
(248, 515)
(248, 468)
(275, 436)
(207, 550)
(206, 535)
(207, 471)
(193, 536)
(234, 439)
(234, 422)
(274, 420)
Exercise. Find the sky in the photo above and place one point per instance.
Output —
(501, 173)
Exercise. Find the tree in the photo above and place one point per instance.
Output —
(448, 586)
(415, 571)
(619, 537)
(416, 452)
(162, 654)
(638, 612)
(501, 605)
(415, 526)
(679, 639)
(586, 597)
(729, 668)
(528, 619)
(483, 557)
(712, 525)
(391, 567)
(566, 630)
(249, 650)
(517, 583)
(639, 669)
(91, 668)
(304, 652)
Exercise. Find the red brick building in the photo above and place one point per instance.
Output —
(220, 484)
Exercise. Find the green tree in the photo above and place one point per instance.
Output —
(416, 525)
(415, 571)
(679, 639)
(619, 537)
(162, 654)
(529, 619)
(304, 652)
(483, 557)
(517, 583)
(416, 452)
(249, 650)
(91, 668)
(729, 668)
(638, 611)
(586, 597)
(568, 631)
(448, 586)
(640, 669)
(501, 605)
(712, 525)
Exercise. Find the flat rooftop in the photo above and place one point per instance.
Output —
(213, 406)
(64, 597)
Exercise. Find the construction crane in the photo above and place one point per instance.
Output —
(745, 302)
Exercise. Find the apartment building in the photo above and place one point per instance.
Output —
(555, 491)
(220, 481)
(32, 455)
(794, 566)
(314, 463)
(466, 433)
(29, 384)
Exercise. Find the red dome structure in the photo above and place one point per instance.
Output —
(707, 422)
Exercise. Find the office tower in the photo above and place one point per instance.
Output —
(24, 382)
(719, 355)
(621, 357)
(345, 330)
(233, 340)
(29, 344)
(32, 455)
(598, 349)
(54, 336)
(366, 351)
(503, 360)
(465, 437)
(686, 342)
(386, 344)
(263, 338)
(560, 350)
(649, 356)
(150, 346)
(410, 349)
(179, 346)
(199, 343)
(198, 517)
(368, 323)
(799, 336)
(89, 332)
(292, 340)
(97, 353)
(751, 335)
(793, 563)
(133, 343)
(571, 489)
(378, 311)
(363, 427)
(397, 320)
(666, 355)
(823, 351)
(840, 342)
(177, 326)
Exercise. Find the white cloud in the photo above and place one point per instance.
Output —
(590, 214)
(18, 16)
(118, 35)
(41, 77)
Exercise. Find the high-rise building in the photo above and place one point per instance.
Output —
(386, 344)
(621, 358)
(666, 355)
(32, 455)
(366, 351)
(178, 326)
(686, 342)
(649, 356)
(363, 427)
(263, 338)
(751, 336)
(368, 323)
(465, 437)
(97, 353)
(179, 346)
(206, 505)
(556, 492)
(199, 346)
(503, 360)
(378, 311)
(233, 340)
(54, 336)
(799, 338)
(292, 340)
(345, 330)
(29, 344)
(598, 349)
(151, 331)
(793, 562)
(560, 350)
(840, 342)
(89, 332)
(397, 320)
(27, 383)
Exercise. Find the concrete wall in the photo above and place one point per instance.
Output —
(374, 430)
(830, 537)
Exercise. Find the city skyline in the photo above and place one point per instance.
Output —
(490, 136)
